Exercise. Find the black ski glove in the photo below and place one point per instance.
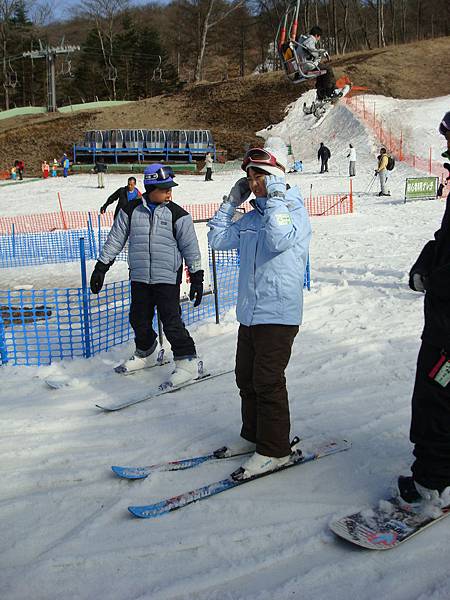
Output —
(98, 276)
(196, 289)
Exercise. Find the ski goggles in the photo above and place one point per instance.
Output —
(162, 174)
(262, 157)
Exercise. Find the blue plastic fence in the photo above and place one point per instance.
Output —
(53, 247)
(38, 327)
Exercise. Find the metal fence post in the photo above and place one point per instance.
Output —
(86, 320)
(216, 294)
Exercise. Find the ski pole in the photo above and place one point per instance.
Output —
(372, 181)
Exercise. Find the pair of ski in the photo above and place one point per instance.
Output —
(164, 388)
(167, 505)
(381, 528)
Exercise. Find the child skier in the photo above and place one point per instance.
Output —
(160, 234)
(430, 422)
(273, 242)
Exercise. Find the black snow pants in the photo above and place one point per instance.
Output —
(326, 83)
(166, 297)
(430, 424)
(263, 353)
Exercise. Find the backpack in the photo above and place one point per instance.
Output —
(391, 163)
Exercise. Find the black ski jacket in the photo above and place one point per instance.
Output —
(121, 194)
(434, 266)
(324, 153)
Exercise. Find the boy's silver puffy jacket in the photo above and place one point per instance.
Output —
(157, 243)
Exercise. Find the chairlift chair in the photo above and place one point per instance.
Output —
(11, 79)
(297, 69)
(157, 71)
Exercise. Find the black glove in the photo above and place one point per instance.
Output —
(98, 277)
(103, 209)
(196, 289)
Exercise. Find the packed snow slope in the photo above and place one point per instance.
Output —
(64, 526)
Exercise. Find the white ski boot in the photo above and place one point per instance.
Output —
(140, 360)
(258, 464)
(185, 370)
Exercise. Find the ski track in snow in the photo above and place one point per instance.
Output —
(64, 527)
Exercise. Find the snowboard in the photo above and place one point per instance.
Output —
(321, 109)
(386, 526)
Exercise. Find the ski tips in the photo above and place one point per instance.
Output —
(129, 472)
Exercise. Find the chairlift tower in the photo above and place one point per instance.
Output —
(50, 54)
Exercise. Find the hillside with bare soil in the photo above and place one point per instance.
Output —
(232, 109)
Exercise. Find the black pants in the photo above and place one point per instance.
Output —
(430, 424)
(324, 165)
(263, 353)
(208, 174)
(326, 83)
(166, 297)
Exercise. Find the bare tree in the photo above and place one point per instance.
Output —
(104, 14)
(207, 21)
(7, 9)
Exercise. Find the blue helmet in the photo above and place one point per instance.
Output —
(159, 176)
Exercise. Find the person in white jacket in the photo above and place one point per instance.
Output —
(352, 164)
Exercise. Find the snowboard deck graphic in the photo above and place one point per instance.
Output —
(386, 526)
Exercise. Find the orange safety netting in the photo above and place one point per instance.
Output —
(334, 204)
(394, 141)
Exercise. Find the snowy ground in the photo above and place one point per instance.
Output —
(64, 527)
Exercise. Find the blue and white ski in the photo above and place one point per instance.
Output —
(168, 505)
(176, 465)
(165, 389)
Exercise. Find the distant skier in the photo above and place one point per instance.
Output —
(273, 241)
(55, 165)
(160, 235)
(382, 172)
(100, 168)
(208, 165)
(352, 160)
(65, 165)
(20, 167)
(430, 423)
(123, 195)
(311, 55)
(324, 155)
(45, 168)
(444, 129)
(297, 167)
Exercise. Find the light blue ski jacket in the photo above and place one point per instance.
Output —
(273, 242)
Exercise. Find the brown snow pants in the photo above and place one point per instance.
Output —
(262, 355)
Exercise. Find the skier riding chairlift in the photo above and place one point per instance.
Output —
(297, 60)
